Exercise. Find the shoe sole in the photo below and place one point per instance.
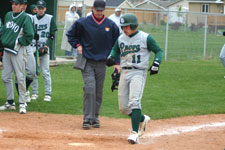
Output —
(47, 100)
(145, 124)
(132, 141)
(86, 127)
(8, 109)
(34, 98)
(96, 126)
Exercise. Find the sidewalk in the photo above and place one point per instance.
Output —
(58, 61)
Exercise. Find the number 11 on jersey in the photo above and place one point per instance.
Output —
(136, 59)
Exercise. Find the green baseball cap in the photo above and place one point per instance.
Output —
(32, 7)
(18, 1)
(25, 1)
(41, 3)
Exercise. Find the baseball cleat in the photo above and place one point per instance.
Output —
(47, 98)
(23, 109)
(8, 106)
(86, 125)
(34, 97)
(96, 124)
(133, 138)
(142, 126)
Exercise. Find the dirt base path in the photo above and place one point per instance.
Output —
(38, 131)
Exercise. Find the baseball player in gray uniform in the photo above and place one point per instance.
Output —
(17, 33)
(30, 64)
(134, 48)
(46, 28)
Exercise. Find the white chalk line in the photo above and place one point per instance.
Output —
(163, 132)
(184, 129)
(80, 144)
(154, 134)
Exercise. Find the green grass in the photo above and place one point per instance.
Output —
(59, 52)
(181, 88)
(183, 44)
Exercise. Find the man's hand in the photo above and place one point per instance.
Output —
(154, 68)
(110, 61)
(80, 49)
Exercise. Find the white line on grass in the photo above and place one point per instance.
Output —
(184, 129)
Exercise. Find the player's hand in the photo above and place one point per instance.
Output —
(110, 61)
(79, 49)
(154, 68)
(117, 67)
(1, 55)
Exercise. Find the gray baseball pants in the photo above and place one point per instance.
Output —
(45, 69)
(30, 64)
(131, 88)
(93, 76)
(14, 63)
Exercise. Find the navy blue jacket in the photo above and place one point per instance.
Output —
(96, 38)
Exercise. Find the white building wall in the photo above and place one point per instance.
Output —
(175, 15)
(68, 2)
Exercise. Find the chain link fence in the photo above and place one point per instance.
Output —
(181, 35)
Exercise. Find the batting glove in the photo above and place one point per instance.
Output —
(110, 61)
(154, 68)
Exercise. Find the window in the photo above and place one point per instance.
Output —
(205, 8)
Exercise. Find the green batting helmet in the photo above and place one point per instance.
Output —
(129, 20)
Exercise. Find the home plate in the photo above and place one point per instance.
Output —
(81, 144)
(1, 131)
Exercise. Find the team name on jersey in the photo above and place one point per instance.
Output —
(12, 25)
(42, 27)
(127, 49)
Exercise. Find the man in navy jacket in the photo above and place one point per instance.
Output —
(94, 37)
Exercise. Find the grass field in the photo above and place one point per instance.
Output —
(181, 88)
(183, 44)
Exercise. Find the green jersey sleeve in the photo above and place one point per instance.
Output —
(28, 31)
(115, 50)
(154, 47)
(53, 29)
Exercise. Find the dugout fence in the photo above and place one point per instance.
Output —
(181, 35)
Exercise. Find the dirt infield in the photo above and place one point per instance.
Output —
(38, 131)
